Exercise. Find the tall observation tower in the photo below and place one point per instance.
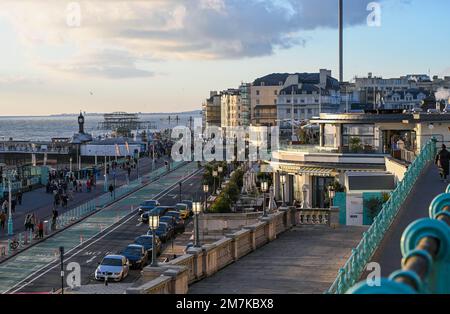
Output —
(341, 41)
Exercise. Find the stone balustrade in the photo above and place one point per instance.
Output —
(207, 260)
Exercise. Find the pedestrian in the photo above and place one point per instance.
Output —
(27, 222)
(442, 160)
(5, 206)
(54, 218)
(111, 189)
(32, 222)
(88, 185)
(19, 197)
(80, 186)
(41, 229)
(13, 205)
(2, 220)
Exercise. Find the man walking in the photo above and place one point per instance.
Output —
(2, 220)
(442, 160)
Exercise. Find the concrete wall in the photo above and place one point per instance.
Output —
(205, 261)
(226, 222)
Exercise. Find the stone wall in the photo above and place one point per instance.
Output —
(205, 261)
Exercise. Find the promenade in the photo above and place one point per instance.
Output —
(37, 261)
(41, 203)
(302, 260)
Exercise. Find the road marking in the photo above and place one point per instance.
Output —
(25, 281)
(91, 259)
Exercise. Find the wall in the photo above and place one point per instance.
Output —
(205, 261)
(397, 168)
(226, 222)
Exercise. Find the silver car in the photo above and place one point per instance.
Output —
(112, 267)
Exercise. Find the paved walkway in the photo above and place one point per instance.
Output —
(428, 186)
(305, 259)
(18, 268)
(41, 203)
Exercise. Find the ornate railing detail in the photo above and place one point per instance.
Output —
(426, 256)
(350, 273)
(314, 216)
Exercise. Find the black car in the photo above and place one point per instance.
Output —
(159, 211)
(164, 232)
(177, 224)
(146, 242)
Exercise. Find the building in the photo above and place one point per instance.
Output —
(306, 95)
(363, 152)
(212, 113)
(263, 98)
(230, 108)
(405, 99)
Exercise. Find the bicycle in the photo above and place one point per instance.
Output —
(14, 245)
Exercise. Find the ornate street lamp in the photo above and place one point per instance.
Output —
(331, 193)
(197, 208)
(215, 174)
(153, 223)
(220, 170)
(264, 188)
(9, 176)
(283, 182)
(206, 190)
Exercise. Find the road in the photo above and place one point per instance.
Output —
(41, 203)
(116, 237)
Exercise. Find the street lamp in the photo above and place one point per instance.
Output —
(264, 188)
(220, 170)
(215, 174)
(153, 223)
(197, 208)
(331, 193)
(9, 176)
(283, 182)
(206, 190)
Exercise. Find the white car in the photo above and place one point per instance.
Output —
(112, 267)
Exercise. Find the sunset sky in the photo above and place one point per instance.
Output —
(166, 55)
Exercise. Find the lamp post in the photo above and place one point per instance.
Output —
(153, 223)
(264, 187)
(197, 208)
(9, 176)
(283, 182)
(220, 170)
(205, 190)
(214, 173)
(331, 194)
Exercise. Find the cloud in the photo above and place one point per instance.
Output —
(112, 64)
(174, 29)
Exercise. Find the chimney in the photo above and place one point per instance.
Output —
(323, 77)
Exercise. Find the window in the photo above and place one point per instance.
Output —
(274, 101)
(328, 135)
(257, 92)
(358, 136)
(275, 92)
(295, 111)
(288, 111)
(257, 101)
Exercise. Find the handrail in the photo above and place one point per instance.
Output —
(426, 256)
(350, 273)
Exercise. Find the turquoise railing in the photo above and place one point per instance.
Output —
(425, 247)
(351, 272)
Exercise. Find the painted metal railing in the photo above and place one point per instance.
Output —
(425, 247)
(351, 272)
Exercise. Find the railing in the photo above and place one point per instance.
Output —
(426, 256)
(30, 150)
(314, 216)
(350, 273)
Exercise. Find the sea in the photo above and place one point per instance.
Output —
(44, 128)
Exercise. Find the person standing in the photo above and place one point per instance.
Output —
(5, 206)
(41, 229)
(442, 160)
(19, 197)
(2, 220)
(54, 218)
(111, 189)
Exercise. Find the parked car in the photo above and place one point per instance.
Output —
(147, 206)
(146, 242)
(189, 204)
(164, 232)
(113, 267)
(183, 210)
(137, 255)
(160, 211)
(179, 225)
(176, 223)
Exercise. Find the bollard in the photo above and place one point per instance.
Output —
(81, 239)
(3, 252)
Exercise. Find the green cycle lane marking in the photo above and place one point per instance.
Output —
(15, 270)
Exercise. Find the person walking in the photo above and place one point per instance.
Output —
(54, 217)
(2, 220)
(442, 160)
(19, 197)
(27, 222)
(111, 189)
(41, 229)
(5, 206)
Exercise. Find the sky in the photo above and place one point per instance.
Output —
(62, 56)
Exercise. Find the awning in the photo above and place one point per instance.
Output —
(312, 171)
